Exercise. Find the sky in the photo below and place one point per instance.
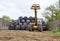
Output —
(16, 8)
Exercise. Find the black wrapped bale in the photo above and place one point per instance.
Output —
(16, 22)
(20, 23)
(20, 26)
(25, 18)
(11, 27)
(20, 18)
(31, 18)
(23, 21)
(45, 28)
(17, 27)
(28, 21)
(32, 21)
(24, 26)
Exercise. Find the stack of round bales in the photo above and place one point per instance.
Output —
(21, 24)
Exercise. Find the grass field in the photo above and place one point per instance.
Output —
(17, 35)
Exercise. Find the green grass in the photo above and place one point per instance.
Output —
(56, 31)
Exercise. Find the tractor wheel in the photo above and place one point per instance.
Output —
(31, 29)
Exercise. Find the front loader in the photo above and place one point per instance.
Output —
(35, 25)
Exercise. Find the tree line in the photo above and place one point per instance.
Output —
(52, 12)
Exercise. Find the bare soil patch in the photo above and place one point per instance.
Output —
(17, 35)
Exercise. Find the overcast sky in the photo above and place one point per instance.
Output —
(16, 8)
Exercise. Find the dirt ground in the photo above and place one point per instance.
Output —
(17, 35)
